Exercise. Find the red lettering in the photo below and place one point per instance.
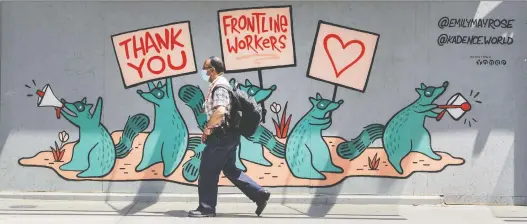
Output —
(225, 25)
(254, 24)
(283, 24)
(256, 43)
(250, 24)
(141, 48)
(241, 44)
(265, 43)
(257, 40)
(258, 16)
(161, 42)
(139, 68)
(233, 47)
(150, 43)
(273, 43)
(174, 40)
(183, 62)
(276, 24)
(244, 20)
(263, 26)
(156, 42)
(149, 65)
(125, 43)
(249, 40)
(234, 22)
(282, 40)
(272, 26)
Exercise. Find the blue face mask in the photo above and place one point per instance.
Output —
(204, 75)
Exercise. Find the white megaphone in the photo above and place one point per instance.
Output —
(46, 98)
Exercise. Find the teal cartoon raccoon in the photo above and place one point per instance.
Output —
(307, 154)
(168, 141)
(95, 153)
(405, 132)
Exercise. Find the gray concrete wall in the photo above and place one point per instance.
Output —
(68, 45)
(0, 54)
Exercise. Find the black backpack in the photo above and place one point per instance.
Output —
(245, 115)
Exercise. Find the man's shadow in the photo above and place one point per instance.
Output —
(142, 201)
(146, 196)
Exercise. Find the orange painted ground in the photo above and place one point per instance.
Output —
(276, 175)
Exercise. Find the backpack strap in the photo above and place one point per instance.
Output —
(235, 104)
(228, 88)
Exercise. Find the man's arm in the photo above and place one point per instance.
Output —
(219, 104)
(217, 117)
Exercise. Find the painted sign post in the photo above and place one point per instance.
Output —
(342, 56)
(155, 53)
(253, 39)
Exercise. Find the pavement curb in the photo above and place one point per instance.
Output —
(230, 198)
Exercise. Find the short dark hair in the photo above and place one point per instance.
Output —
(217, 64)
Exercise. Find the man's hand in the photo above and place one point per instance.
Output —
(203, 138)
(214, 120)
(206, 133)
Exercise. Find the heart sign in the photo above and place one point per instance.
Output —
(343, 46)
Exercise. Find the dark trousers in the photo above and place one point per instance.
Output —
(220, 155)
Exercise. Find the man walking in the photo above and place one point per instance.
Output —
(220, 151)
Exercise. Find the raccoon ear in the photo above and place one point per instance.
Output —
(418, 90)
(83, 100)
(319, 96)
(313, 100)
(159, 85)
(247, 82)
(423, 86)
(88, 106)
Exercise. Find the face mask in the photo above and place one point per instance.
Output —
(204, 75)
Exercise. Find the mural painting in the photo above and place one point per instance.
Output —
(248, 44)
(294, 155)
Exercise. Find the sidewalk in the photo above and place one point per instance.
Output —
(100, 212)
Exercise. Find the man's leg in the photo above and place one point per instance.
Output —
(212, 160)
(243, 182)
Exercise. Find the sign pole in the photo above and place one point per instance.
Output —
(334, 97)
(260, 78)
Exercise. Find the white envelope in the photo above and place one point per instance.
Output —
(457, 99)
